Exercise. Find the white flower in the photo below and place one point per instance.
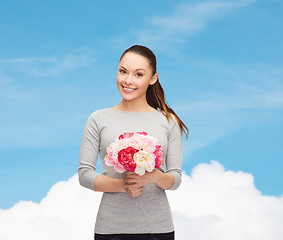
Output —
(144, 160)
(139, 170)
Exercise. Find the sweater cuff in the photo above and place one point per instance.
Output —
(178, 179)
(87, 179)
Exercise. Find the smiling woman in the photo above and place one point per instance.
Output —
(140, 133)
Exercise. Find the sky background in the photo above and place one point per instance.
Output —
(220, 64)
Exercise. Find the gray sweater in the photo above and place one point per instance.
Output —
(118, 212)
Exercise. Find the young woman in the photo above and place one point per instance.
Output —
(134, 206)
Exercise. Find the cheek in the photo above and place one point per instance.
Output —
(144, 84)
(120, 78)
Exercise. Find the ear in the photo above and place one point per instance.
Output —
(153, 79)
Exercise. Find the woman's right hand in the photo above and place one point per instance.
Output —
(133, 190)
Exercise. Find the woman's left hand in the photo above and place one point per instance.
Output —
(133, 180)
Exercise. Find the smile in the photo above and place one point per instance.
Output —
(128, 90)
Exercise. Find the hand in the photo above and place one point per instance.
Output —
(132, 189)
(133, 192)
(134, 181)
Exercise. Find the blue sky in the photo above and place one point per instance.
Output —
(219, 62)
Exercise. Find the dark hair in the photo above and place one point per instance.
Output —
(155, 93)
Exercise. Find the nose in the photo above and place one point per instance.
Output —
(129, 79)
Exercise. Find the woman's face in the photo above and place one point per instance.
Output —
(134, 76)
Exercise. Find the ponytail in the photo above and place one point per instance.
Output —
(156, 99)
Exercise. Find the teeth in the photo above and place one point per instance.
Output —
(128, 89)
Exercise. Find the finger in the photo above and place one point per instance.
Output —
(130, 181)
(139, 189)
(135, 180)
(134, 186)
(130, 192)
(136, 194)
(131, 187)
(131, 177)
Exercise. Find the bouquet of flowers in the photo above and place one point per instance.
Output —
(134, 151)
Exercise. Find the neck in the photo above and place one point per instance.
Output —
(134, 106)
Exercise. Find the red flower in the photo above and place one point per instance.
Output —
(126, 158)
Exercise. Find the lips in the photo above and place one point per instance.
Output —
(129, 87)
(128, 90)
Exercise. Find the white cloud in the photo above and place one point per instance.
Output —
(212, 203)
(67, 212)
(29, 60)
(218, 204)
(48, 66)
(186, 20)
(191, 17)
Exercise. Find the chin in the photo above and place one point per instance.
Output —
(127, 98)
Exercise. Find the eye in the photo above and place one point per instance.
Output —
(122, 71)
(139, 74)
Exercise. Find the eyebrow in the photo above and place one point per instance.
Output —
(136, 69)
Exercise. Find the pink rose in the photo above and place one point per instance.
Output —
(126, 135)
(143, 133)
(126, 158)
(130, 134)
(111, 161)
(158, 154)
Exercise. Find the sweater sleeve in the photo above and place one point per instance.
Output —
(88, 153)
(175, 154)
